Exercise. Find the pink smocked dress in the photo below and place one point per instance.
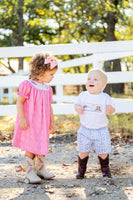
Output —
(37, 109)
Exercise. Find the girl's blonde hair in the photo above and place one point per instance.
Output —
(37, 65)
(101, 73)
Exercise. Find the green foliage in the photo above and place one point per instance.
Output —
(73, 20)
(88, 21)
(35, 26)
(55, 21)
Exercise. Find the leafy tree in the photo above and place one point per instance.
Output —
(95, 20)
(25, 21)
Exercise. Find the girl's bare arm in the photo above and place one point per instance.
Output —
(51, 121)
(20, 110)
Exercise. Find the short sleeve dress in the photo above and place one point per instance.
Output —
(37, 109)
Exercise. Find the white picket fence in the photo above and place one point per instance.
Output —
(102, 51)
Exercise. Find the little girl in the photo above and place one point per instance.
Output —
(35, 117)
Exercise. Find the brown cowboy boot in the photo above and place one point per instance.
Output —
(105, 166)
(82, 163)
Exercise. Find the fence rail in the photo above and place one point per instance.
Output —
(12, 82)
(68, 79)
(68, 49)
(122, 106)
(102, 51)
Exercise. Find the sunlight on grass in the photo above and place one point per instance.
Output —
(7, 125)
(67, 123)
(128, 95)
(119, 124)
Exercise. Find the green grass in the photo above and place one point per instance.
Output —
(119, 124)
(128, 95)
(7, 126)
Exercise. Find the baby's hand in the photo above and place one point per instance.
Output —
(110, 110)
(23, 124)
(79, 109)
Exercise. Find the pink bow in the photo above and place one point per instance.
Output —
(53, 63)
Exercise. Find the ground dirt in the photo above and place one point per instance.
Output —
(62, 161)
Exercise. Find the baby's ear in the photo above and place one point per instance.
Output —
(103, 86)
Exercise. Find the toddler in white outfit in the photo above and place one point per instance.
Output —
(92, 106)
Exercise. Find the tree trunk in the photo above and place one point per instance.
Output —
(111, 21)
(119, 87)
(20, 30)
(107, 68)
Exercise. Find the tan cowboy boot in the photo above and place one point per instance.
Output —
(40, 168)
(30, 171)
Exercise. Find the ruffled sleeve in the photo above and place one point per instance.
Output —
(24, 89)
(50, 94)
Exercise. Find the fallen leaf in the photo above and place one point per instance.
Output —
(24, 170)
(50, 190)
(115, 153)
(69, 195)
(50, 149)
(19, 170)
(65, 164)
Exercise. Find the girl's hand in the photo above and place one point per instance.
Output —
(51, 129)
(20, 110)
(110, 110)
(23, 124)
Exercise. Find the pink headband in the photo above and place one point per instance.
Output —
(53, 63)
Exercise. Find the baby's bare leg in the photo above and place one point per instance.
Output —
(83, 155)
(103, 156)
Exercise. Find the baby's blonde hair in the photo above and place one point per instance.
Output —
(101, 73)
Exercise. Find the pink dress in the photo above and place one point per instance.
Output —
(37, 109)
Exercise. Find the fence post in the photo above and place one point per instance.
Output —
(96, 64)
(59, 89)
(1, 94)
(10, 96)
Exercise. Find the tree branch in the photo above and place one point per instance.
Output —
(8, 67)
